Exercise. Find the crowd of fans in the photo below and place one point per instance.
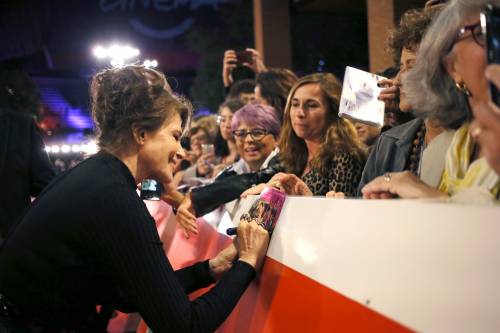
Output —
(441, 139)
(425, 149)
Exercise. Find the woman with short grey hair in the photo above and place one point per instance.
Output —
(446, 82)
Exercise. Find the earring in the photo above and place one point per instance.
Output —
(463, 88)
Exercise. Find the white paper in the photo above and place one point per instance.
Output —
(359, 97)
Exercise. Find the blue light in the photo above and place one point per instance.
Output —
(75, 118)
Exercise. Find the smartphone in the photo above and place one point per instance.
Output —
(208, 148)
(490, 24)
(151, 190)
(243, 56)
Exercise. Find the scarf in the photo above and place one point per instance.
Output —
(459, 173)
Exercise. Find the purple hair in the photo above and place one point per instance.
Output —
(258, 115)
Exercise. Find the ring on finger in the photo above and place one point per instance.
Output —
(387, 176)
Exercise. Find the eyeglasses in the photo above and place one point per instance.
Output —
(477, 31)
(256, 134)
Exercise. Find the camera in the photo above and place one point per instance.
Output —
(151, 190)
(243, 57)
(490, 24)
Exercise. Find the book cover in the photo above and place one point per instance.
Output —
(264, 209)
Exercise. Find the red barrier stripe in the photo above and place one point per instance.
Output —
(287, 301)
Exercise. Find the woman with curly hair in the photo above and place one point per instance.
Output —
(418, 146)
(446, 84)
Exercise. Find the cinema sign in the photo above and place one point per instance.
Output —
(170, 29)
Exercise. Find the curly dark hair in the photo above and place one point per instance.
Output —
(132, 96)
(412, 27)
(245, 86)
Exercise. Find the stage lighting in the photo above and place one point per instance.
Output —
(150, 63)
(65, 149)
(117, 54)
(100, 52)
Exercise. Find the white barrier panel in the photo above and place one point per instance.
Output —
(385, 265)
(365, 266)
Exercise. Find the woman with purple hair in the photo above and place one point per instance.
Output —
(256, 129)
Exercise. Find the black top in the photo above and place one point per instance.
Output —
(88, 239)
(229, 185)
(391, 152)
(25, 168)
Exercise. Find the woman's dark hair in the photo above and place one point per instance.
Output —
(221, 148)
(245, 86)
(275, 84)
(132, 96)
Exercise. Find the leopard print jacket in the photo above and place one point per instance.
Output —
(343, 175)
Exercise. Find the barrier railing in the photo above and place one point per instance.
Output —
(358, 265)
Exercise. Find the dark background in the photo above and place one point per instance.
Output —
(53, 40)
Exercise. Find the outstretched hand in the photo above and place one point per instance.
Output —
(399, 184)
(285, 182)
(254, 190)
(186, 218)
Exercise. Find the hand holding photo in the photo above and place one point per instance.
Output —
(265, 210)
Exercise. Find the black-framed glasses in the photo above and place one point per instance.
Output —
(256, 134)
(477, 31)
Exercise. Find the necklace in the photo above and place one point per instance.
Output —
(417, 147)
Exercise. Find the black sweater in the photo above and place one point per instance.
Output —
(88, 239)
(25, 168)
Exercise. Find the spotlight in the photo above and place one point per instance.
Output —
(150, 63)
(100, 52)
(65, 149)
(55, 149)
(116, 53)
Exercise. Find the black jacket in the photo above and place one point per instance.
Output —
(390, 152)
(229, 185)
(25, 168)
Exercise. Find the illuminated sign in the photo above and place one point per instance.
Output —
(163, 6)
